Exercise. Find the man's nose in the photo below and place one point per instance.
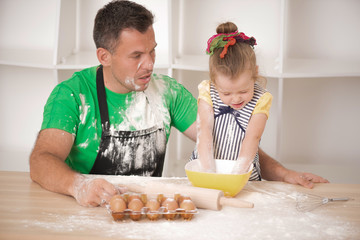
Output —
(148, 63)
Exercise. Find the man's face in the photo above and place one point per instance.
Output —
(132, 62)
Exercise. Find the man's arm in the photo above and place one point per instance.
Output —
(47, 161)
(273, 171)
(191, 132)
(48, 168)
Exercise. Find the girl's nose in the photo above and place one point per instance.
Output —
(237, 98)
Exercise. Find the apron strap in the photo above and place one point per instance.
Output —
(101, 93)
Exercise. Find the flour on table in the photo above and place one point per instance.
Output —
(273, 217)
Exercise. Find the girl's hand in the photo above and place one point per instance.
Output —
(241, 166)
(207, 165)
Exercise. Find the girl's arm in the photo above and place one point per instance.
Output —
(249, 147)
(205, 124)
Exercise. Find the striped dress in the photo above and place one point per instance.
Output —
(230, 128)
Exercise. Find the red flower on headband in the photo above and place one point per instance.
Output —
(227, 39)
(231, 41)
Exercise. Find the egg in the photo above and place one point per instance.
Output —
(182, 198)
(117, 203)
(153, 206)
(188, 206)
(143, 198)
(133, 196)
(171, 205)
(135, 205)
(177, 196)
(117, 207)
(161, 198)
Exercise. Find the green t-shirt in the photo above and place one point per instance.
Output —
(73, 107)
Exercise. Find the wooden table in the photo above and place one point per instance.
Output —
(29, 212)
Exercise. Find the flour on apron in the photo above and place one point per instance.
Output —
(124, 152)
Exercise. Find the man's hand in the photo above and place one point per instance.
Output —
(90, 192)
(304, 179)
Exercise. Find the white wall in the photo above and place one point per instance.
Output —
(321, 121)
(23, 93)
(320, 115)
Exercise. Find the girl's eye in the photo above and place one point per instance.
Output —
(226, 94)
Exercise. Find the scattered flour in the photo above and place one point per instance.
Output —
(273, 217)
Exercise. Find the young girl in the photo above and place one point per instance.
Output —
(232, 107)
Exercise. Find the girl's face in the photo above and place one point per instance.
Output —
(236, 92)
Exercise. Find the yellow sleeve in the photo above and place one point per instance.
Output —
(204, 92)
(263, 104)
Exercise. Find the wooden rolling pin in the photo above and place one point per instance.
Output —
(202, 197)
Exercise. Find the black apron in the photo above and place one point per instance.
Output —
(139, 152)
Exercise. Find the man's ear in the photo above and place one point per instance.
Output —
(104, 56)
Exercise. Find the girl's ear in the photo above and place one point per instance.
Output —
(104, 56)
(257, 70)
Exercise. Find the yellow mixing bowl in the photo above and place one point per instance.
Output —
(230, 184)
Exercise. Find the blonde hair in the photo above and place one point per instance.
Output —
(239, 58)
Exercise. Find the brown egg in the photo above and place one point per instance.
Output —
(135, 205)
(188, 206)
(153, 206)
(171, 205)
(182, 198)
(117, 207)
(177, 196)
(160, 197)
(133, 196)
(117, 203)
(143, 198)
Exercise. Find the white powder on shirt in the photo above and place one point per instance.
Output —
(155, 93)
(83, 109)
(146, 109)
(138, 115)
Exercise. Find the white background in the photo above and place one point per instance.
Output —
(314, 122)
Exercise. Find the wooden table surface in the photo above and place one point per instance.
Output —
(29, 212)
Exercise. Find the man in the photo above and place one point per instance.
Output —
(116, 118)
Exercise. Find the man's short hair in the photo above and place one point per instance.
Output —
(116, 16)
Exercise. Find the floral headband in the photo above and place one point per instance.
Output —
(225, 40)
